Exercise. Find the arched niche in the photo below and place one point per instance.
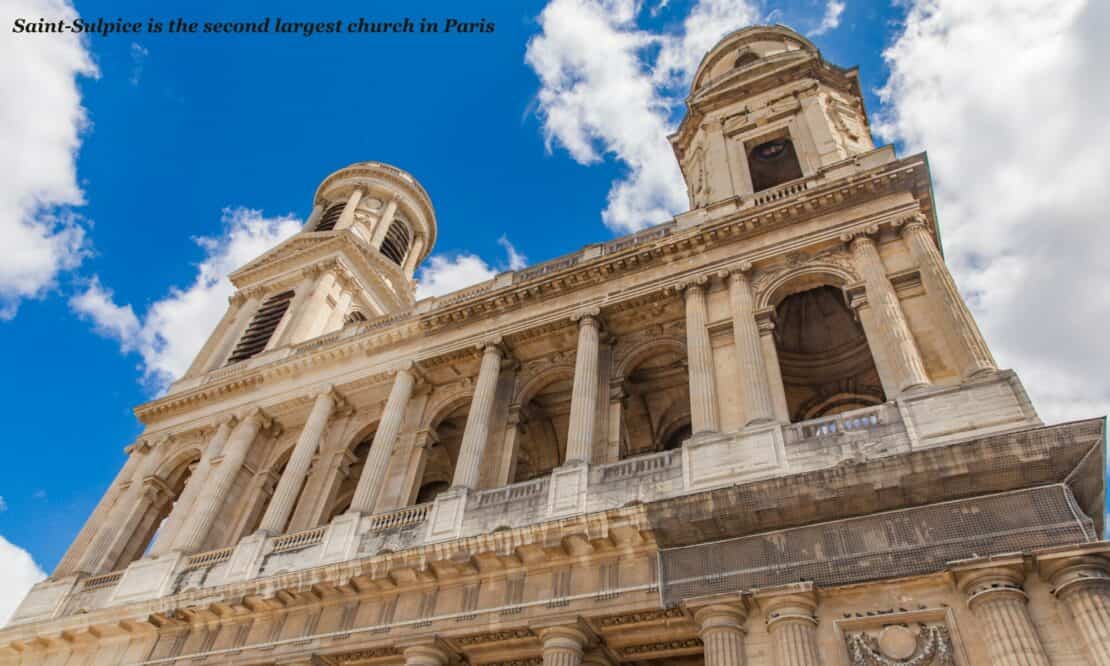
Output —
(654, 397)
(169, 483)
(543, 409)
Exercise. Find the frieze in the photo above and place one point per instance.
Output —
(494, 637)
(662, 646)
(623, 619)
(901, 645)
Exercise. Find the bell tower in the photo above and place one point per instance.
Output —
(765, 109)
(354, 260)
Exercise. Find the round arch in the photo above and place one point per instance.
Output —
(802, 279)
(637, 354)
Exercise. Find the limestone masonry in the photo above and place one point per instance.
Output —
(767, 431)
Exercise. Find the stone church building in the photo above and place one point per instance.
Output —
(765, 432)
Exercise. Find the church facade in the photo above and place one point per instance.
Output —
(765, 432)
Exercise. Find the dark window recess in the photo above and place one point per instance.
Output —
(262, 326)
(745, 58)
(773, 163)
(330, 217)
(396, 242)
(354, 315)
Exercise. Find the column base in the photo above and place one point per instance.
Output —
(446, 517)
(148, 578)
(45, 600)
(341, 540)
(567, 492)
(246, 559)
(718, 459)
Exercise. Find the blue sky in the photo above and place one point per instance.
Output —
(193, 137)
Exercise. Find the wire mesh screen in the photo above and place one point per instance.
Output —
(888, 545)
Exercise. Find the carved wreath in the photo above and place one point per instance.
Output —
(933, 648)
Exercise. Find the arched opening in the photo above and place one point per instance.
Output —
(827, 365)
(146, 530)
(341, 502)
(395, 245)
(544, 423)
(773, 162)
(330, 217)
(656, 404)
(745, 58)
(442, 453)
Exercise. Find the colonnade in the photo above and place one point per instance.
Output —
(759, 393)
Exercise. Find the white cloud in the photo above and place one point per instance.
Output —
(3, 504)
(831, 19)
(601, 93)
(138, 58)
(18, 572)
(173, 329)
(442, 274)
(1010, 100)
(41, 120)
(517, 260)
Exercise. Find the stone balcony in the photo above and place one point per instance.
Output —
(933, 417)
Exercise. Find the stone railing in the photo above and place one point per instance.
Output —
(209, 558)
(781, 192)
(298, 540)
(846, 422)
(510, 493)
(556, 264)
(636, 466)
(103, 580)
(638, 238)
(411, 515)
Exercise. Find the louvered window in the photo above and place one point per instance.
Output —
(396, 242)
(262, 327)
(330, 217)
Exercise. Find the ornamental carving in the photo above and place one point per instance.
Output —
(495, 637)
(363, 655)
(901, 645)
(662, 646)
(637, 618)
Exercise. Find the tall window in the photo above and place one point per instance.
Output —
(330, 217)
(773, 163)
(262, 327)
(395, 245)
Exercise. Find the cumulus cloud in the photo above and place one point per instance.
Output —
(138, 58)
(1010, 103)
(831, 19)
(40, 129)
(610, 88)
(174, 328)
(18, 572)
(443, 273)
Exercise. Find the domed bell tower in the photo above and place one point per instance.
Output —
(765, 109)
(354, 260)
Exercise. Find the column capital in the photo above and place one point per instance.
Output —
(587, 317)
(719, 613)
(914, 221)
(984, 579)
(860, 237)
(1075, 568)
(570, 635)
(741, 271)
(794, 602)
(492, 346)
(693, 285)
(237, 299)
(425, 651)
(261, 418)
(765, 320)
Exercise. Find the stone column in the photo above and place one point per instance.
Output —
(791, 623)
(384, 220)
(381, 448)
(765, 321)
(890, 327)
(310, 318)
(583, 399)
(755, 393)
(960, 330)
(296, 470)
(476, 433)
(699, 353)
(414, 255)
(287, 328)
(563, 646)
(347, 217)
(1082, 586)
(197, 480)
(243, 315)
(97, 555)
(211, 498)
(721, 629)
(995, 596)
(313, 217)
